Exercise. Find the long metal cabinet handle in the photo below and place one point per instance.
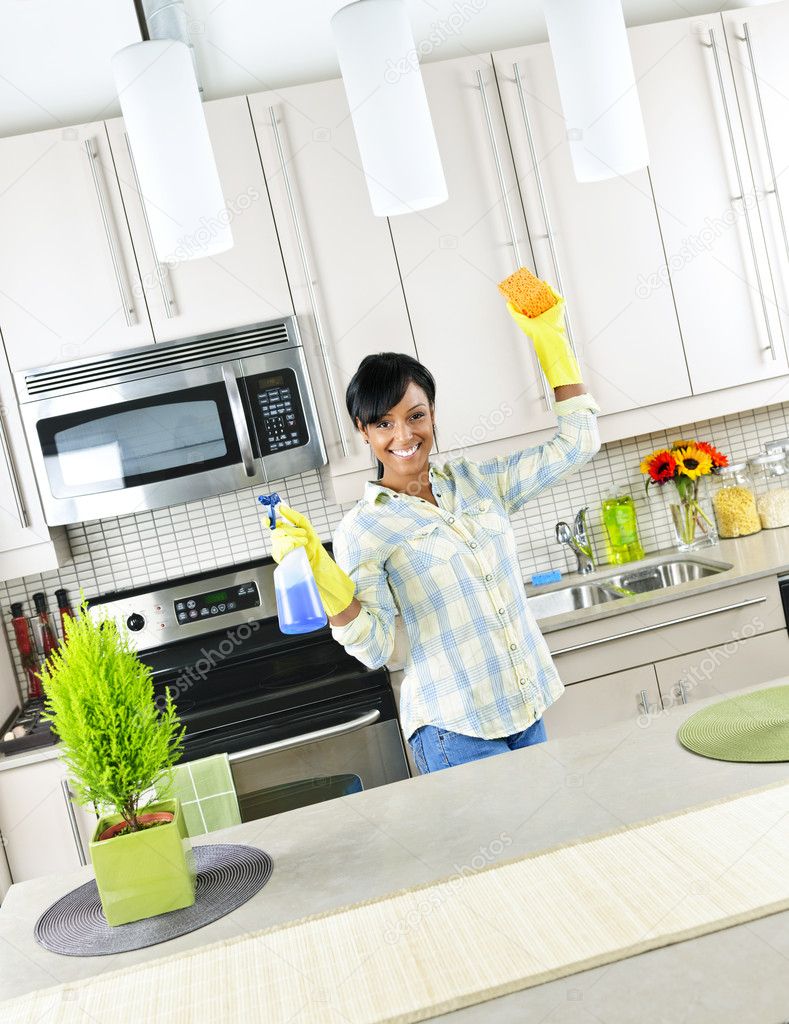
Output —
(21, 511)
(658, 625)
(170, 307)
(307, 737)
(128, 307)
(507, 208)
(644, 699)
(683, 696)
(714, 46)
(72, 819)
(239, 419)
(746, 37)
(305, 263)
(543, 201)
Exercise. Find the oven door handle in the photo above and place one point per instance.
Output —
(239, 420)
(307, 737)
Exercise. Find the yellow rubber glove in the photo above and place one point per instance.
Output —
(335, 587)
(550, 342)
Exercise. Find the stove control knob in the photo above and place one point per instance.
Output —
(135, 622)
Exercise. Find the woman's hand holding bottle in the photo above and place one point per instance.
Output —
(294, 530)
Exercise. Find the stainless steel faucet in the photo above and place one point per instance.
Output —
(578, 540)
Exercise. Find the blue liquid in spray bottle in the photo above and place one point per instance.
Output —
(299, 606)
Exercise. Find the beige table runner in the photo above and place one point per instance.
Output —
(470, 937)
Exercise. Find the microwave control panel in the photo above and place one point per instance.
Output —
(277, 410)
(218, 602)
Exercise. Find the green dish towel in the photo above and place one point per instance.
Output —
(753, 727)
(207, 794)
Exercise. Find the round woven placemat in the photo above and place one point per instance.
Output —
(227, 876)
(753, 727)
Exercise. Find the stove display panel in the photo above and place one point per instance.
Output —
(218, 602)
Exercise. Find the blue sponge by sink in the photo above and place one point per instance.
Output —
(549, 576)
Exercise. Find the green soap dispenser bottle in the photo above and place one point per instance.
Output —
(621, 530)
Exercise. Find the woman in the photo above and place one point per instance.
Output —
(434, 543)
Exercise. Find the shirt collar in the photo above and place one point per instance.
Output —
(373, 491)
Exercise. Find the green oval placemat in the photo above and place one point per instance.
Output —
(752, 727)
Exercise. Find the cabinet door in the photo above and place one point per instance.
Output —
(761, 77)
(70, 287)
(715, 671)
(594, 242)
(618, 697)
(323, 215)
(451, 258)
(27, 545)
(243, 285)
(34, 821)
(725, 297)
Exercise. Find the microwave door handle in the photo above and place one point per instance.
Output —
(307, 737)
(239, 420)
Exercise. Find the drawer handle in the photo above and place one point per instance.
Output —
(72, 820)
(21, 512)
(659, 625)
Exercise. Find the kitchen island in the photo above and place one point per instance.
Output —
(412, 832)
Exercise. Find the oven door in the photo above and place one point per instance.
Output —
(362, 749)
(142, 444)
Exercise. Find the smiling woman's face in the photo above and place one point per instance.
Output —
(402, 438)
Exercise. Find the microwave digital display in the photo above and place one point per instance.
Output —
(277, 411)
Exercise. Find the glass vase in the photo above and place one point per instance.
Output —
(690, 515)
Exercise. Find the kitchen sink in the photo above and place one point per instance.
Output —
(668, 573)
(656, 574)
(569, 599)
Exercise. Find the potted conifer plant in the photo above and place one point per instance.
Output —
(114, 743)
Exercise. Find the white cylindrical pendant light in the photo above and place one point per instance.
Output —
(172, 151)
(597, 86)
(386, 96)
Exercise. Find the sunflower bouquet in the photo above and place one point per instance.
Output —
(684, 464)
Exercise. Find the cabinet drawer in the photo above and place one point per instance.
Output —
(714, 671)
(657, 632)
(618, 697)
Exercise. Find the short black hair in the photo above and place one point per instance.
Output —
(379, 384)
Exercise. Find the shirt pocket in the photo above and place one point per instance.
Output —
(428, 548)
(485, 515)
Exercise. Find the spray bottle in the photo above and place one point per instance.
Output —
(299, 606)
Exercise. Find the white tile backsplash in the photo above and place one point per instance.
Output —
(148, 547)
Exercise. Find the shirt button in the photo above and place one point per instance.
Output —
(472, 544)
(489, 576)
(451, 520)
(521, 682)
(513, 647)
(501, 611)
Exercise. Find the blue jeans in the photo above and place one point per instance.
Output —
(436, 748)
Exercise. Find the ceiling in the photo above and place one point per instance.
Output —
(55, 54)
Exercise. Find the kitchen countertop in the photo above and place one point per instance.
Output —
(762, 554)
(411, 832)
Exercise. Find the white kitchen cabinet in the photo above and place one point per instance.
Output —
(710, 221)
(350, 286)
(35, 823)
(596, 243)
(632, 695)
(27, 544)
(69, 285)
(756, 41)
(451, 258)
(714, 671)
(243, 285)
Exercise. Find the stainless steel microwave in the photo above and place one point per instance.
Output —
(167, 423)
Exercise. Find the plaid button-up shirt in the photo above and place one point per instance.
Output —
(477, 664)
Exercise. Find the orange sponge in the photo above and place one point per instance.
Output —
(527, 293)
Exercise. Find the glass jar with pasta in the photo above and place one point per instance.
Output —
(734, 501)
(771, 487)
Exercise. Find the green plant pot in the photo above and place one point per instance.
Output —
(141, 874)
